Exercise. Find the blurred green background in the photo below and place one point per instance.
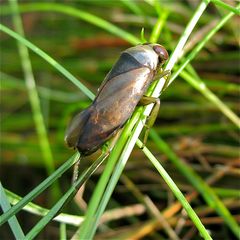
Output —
(195, 128)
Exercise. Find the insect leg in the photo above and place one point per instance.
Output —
(76, 170)
(160, 74)
(145, 100)
(167, 75)
(109, 145)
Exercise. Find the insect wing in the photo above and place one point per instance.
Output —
(113, 106)
(125, 63)
(76, 127)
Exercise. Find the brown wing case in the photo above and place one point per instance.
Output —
(112, 108)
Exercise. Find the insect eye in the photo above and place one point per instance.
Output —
(161, 52)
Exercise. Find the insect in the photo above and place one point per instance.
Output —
(121, 91)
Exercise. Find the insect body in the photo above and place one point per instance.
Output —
(117, 97)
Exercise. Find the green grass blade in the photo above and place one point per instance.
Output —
(204, 233)
(207, 193)
(13, 222)
(116, 173)
(226, 6)
(40, 188)
(188, 30)
(63, 231)
(133, 6)
(143, 39)
(51, 214)
(179, 48)
(33, 96)
(201, 44)
(40, 211)
(85, 16)
(201, 87)
(157, 29)
(10, 82)
(99, 198)
(65, 198)
(49, 59)
(224, 192)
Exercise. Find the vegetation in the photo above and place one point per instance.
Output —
(182, 185)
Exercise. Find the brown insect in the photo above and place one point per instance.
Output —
(121, 91)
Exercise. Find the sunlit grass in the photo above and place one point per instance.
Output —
(121, 152)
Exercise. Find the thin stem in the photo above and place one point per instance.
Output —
(178, 194)
(33, 94)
